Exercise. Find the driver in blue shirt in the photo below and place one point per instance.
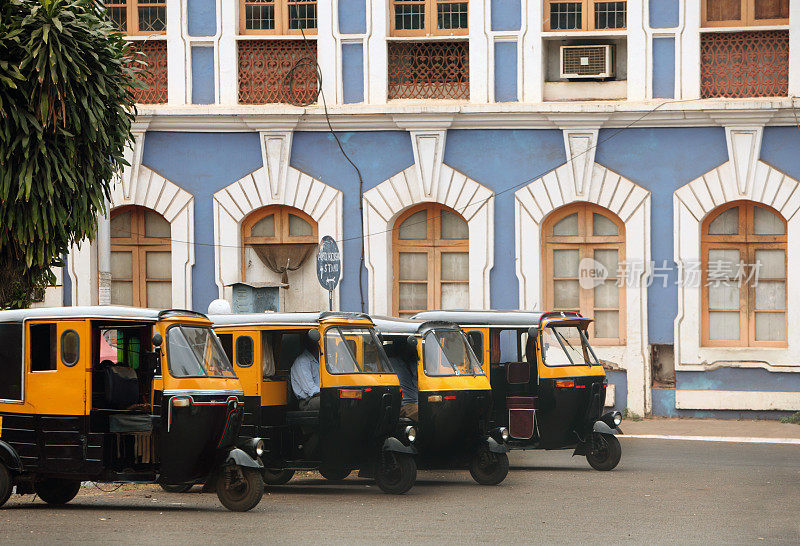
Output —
(305, 377)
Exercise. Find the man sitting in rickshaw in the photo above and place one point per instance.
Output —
(404, 365)
(305, 377)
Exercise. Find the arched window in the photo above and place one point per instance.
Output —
(141, 263)
(279, 237)
(583, 247)
(431, 260)
(743, 249)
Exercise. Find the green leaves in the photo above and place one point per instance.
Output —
(65, 118)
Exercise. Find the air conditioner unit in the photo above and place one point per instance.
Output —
(587, 62)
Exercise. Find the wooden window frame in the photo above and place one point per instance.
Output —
(431, 25)
(586, 244)
(139, 245)
(587, 17)
(282, 236)
(281, 20)
(132, 17)
(434, 246)
(747, 243)
(748, 19)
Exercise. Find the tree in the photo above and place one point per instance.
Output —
(65, 119)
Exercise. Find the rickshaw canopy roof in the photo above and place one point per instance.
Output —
(283, 319)
(87, 312)
(492, 318)
(405, 326)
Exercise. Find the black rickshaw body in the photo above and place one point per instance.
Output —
(542, 405)
(115, 394)
(359, 398)
(454, 399)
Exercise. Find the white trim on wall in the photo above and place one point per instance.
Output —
(276, 183)
(428, 180)
(743, 176)
(582, 179)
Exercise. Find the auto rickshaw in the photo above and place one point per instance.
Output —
(449, 397)
(119, 394)
(357, 423)
(548, 386)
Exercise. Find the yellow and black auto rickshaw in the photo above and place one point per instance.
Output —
(354, 421)
(548, 386)
(118, 394)
(446, 397)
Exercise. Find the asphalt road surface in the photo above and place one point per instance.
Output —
(662, 492)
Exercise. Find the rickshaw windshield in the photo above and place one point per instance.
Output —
(194, 351)
(448, 353)
(354, 350)
(566, 346)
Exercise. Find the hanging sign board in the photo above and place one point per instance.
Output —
(329, 263)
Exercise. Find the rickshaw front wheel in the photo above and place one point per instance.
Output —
(239, 489)
(396, 472)
(488, 468)
(277, 477)
(607, 454)
(5, 484)
(57, 491)
(178, 488)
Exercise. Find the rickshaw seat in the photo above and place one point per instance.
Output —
(121, 386)
(518, 373)
(303, 418)
(521, 416)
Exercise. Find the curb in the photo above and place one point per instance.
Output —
(727, 439)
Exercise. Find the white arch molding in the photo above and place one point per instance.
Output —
(581, 179)
(140, 185)
(428, 180)
(743, 177)
(275, 183)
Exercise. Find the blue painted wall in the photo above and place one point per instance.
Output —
(779, 148)
(619, 379)
(662, 160)
(352, 16)
(353, 73)
(202, 15)
(379, 156)
(504, 161)
(663, 68)
(505, 71)
(66, 293)
(664, 13)
(506, 14)
(203, 75)
(202, 164)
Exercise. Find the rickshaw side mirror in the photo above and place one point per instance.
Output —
(314, 335)
(412, 341)
(157, 340)
(533, 332)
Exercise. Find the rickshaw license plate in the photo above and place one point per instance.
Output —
(350, 393)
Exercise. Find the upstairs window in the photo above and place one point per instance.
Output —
(281, 17)
(139, 17)
(589, 15)
(744, 13)
(429, 17)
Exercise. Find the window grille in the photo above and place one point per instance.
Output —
(265, 64)
(429, 70)
(154, 53)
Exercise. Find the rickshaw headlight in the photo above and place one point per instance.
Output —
(617, 418)
(504, 433)
(258, 445)
(411, 433)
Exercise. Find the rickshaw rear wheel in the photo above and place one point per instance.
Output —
(608, 454)
(239, 489)
(335, 473)
(277, 477)
(57, 491)
(5, 484)
(395, 473)
(488, 468)
(177, 488)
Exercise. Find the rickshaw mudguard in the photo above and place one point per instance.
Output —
(10, 458)
(603, 428)
(238, 457)
(494, 446)
(393, 444)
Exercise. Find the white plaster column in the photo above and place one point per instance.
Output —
(376, 56)
(531, 52)
(104, 256)
(327, 48)
(227, 61)
(689, 50)
(177, 69)
(794, 48)
(479, 22)
(638, 51)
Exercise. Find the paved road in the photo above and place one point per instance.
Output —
(663, 492)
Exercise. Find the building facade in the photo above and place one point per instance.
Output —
(635, 161)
